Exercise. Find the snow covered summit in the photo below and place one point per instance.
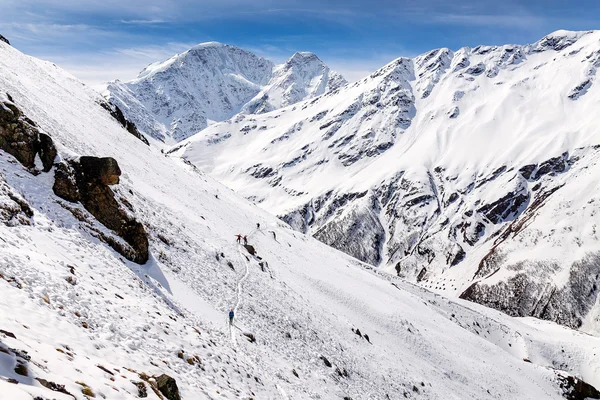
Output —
(177, 98)
(302, 77)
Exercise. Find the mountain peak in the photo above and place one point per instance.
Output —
(303, 56)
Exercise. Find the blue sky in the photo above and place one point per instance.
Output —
(100, 40)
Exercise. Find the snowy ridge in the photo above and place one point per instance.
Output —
(77, 317)
(302, 77)
(454, 169)
(177, 98)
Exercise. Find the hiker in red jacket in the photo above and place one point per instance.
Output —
(245, 240)
(239, 238)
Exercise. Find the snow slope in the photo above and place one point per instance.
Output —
(472, 172)
(75, 313)
(174, 99)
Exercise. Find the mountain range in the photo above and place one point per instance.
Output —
(378, 214)
(211, 82)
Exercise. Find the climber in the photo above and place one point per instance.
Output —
(274, 235)
(245, 239)
(231, 317)
(239, 238)
(257, 225)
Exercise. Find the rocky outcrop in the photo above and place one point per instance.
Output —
(168, 387)
(117, 114)
(525, 294)
(20, 137)
(87, 181)
(575, 389)
(5, 40)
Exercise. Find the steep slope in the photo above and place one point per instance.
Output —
(472, 172)
(302, 77)
(175, 99)
(78, 318)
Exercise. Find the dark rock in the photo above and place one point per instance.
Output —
(250, 336)
(326, 361)
(8, 334)
(100, 170)
(21, 369)
(18, 137)
(55, 387)
(507, 206)
(527, 170)
(250, 249)
(576, 389)
(117, 114)
(47, 151)
(168, 387)
(5, 40)
(65, 185)
(142, 391)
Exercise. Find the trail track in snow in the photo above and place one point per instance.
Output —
(238, 293)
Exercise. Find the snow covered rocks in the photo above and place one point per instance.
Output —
(5, 40)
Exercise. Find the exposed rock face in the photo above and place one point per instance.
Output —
(5, 40)
(168, 387)
(20, 137)
(524, 295)
(87, 181)
(117, 114)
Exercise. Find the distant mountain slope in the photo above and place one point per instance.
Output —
(302, 77)
(77, 319)
(472, 172)
(177, 98)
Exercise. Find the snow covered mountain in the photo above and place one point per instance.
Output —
(175, 99)
(118, 266)
(474, 173)
(303, 76)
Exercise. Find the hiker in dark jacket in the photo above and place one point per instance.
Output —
(231, 315)
(245, 240)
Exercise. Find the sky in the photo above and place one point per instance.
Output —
(102, 40)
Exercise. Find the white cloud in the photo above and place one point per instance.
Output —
(121, 63)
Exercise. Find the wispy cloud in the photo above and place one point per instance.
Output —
(142, 21)
(506, 21)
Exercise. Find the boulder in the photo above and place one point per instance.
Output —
(5, 40)
(103, 170)
(168, 387)
(250, 249)
(20, 137)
